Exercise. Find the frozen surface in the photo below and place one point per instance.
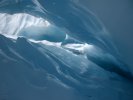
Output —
(58, 50)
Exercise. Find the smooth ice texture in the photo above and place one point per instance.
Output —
(58, 50)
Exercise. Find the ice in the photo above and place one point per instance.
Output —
(42, 71)
(58, 50)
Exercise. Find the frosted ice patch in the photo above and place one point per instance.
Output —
(37, 28)
(12, 24)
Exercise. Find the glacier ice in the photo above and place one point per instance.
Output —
(58, 50)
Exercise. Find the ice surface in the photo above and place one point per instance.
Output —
(58, 50)
(30, 70)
